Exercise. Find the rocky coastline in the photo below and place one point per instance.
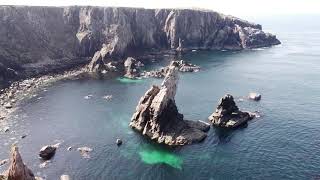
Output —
(12, 96)
(116, 39)
(39, 41)
(42, 40)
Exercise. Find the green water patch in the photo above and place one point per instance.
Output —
(128, 80)
(161, 156)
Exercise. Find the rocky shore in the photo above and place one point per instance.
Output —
(11, 97)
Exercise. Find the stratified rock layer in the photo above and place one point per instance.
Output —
(157, 115)
(39, 40)
(228, 114)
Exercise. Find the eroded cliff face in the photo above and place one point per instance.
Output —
(55, 38)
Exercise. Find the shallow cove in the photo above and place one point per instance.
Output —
(283, 144)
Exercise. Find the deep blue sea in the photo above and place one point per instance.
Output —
(284, 143)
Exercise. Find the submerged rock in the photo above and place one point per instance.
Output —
(158, 118)
(107, 97)
(88, 96)
(18, 170)
(255, 96)
(44, 164)
(47, 152)
(84, 151)
(228, 114)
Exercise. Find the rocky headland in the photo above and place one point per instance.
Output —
(40, 40)
(157, 115)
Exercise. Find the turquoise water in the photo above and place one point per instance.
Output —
(128, 80)
(283, 144)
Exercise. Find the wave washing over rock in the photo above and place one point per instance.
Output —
(39, 40)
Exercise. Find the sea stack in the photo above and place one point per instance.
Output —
(18, 170)
(158, 118)
(131, 68)
(228, 115)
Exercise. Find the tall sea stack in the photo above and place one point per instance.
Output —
(158, 118)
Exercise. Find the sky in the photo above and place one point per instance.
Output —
(230, 7)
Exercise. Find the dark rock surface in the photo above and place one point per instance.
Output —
(255, 96)
(158, 118)
(118, 142)
(228, 115)
(41, 40)
(47, 152)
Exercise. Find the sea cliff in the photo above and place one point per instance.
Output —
(41, 40)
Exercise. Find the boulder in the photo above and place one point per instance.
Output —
(157, 115)
(6, 129)
(65, 177)
(8, 105)
(228, 115)
(47, 152)
(255, 96)
(18, 170)
(118, 142)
